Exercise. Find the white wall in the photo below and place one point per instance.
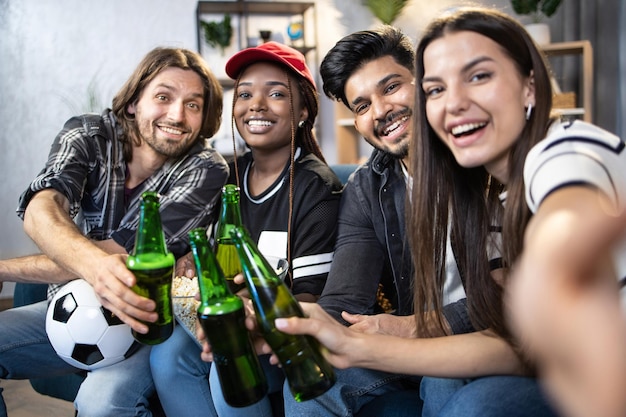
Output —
(50, 53)
(53, 52)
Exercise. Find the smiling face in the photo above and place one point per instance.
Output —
(168, 112)
(475, 99)
(381, 95)
(262, 109)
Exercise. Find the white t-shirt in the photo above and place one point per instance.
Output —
(575, 153)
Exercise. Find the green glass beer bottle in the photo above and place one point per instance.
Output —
(153, 266)
(221, 315)
(306, 369)
(230, 217)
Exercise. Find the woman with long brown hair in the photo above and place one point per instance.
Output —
(494, 173)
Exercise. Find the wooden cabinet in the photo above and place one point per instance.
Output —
(248, 18)
(346, 137)
(583, 105)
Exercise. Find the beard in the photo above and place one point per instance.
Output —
(170, 148)
(399, 149)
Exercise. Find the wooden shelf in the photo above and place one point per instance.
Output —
(253, 7)
(249, 9)
(584, 49)
(578, 111)
(244, 15)
(346, 136)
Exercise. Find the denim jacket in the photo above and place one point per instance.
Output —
(372, 247)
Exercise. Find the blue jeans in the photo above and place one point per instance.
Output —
(262, 408)
(121, 389)
(189, 386)
(181, 377)
(354, 389)
(491, 396)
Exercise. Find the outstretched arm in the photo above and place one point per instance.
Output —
(460, 356)
(69, 254)
(564, 304)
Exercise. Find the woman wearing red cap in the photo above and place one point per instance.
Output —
(284, 180)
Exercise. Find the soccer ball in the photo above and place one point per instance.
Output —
(82, 332)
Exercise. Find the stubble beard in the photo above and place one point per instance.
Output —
(399, 149)
(163, 146)
(169, 148)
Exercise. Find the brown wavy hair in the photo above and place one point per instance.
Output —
(150, 66)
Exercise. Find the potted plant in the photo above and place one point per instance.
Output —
(386, 10)
(218, 34)
(537, 10)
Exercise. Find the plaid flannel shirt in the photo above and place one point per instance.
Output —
(86, 165)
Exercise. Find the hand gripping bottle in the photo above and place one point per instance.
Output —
(221, 315)
(306, 369)
(230, 217)
(153, 267)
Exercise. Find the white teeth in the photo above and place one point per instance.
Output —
(394, 126)
(259, 123)
(459, 130)
(171, 130)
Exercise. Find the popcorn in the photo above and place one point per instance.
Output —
(185, 287)
(185, 305)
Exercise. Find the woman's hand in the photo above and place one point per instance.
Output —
(338, 339)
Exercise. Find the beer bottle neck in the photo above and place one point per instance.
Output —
(253, 264)
(211, 281)
(150, 238)
(230, 214)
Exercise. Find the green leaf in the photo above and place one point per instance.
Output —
(548, 7)
(523, 7)
(218, 34)
(527, 7)
(386, 10)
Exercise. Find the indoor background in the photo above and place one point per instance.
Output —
(64, 57)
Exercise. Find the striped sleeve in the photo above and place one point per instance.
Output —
(574, 154)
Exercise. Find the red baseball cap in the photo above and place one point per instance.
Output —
(269, 51)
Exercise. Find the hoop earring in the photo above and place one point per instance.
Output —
(301, 123)
(529, 111)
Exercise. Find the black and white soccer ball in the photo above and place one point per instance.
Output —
(82, 332)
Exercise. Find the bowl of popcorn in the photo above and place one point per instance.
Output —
(185, 305)
(184, 290)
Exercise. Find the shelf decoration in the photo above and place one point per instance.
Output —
(295, 31)
(265, 35)
(218, 34)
